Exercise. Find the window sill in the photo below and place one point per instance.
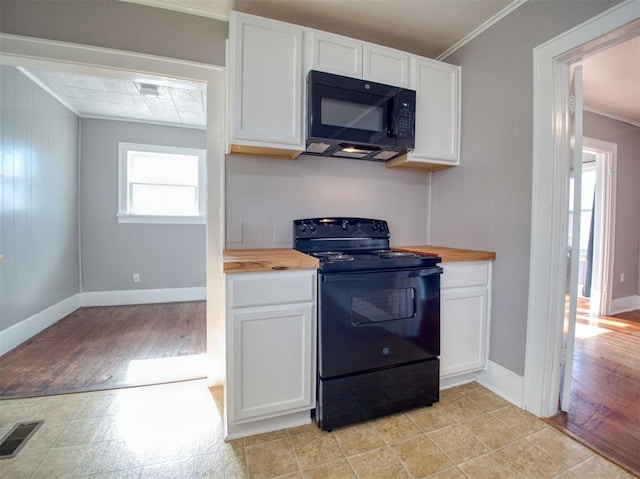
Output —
(160, 219)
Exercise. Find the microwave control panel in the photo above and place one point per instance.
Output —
(406, 114)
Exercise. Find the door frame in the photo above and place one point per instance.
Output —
(19, 50)
(547, 273)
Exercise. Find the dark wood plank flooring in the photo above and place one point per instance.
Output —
(109, 347)
(604, 410)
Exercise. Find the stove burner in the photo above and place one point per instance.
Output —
(397, 254)
(340, 257)
(322, 254)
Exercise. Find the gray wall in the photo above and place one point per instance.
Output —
(166, 256)
(118, 25)
(38, 199)
(627, 234)
(486, 202)
(265, 195)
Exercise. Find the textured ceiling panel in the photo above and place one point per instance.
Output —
(178, 103)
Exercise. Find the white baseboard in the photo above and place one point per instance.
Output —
(502, 381)
(19, 333)
(143, 296)
(621, 305)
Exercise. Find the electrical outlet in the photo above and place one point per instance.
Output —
(136, 277)
(622, 277)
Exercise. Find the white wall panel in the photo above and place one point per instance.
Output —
(38, 199)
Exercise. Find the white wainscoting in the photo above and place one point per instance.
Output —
(19, 333)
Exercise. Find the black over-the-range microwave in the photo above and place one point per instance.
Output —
(359, 119)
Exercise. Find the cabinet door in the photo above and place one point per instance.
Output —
(385, 65)
(463, 330)
(272, 367)
(336, 54)
(265, 82)
(437, 87)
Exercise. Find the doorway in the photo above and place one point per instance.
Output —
(28, 52)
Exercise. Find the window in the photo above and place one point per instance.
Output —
(161, 184)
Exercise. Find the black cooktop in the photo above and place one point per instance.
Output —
(353, 244)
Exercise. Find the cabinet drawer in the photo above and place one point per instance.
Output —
(258, 289)
(458, 275)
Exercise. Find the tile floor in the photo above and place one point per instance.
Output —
(175, 431)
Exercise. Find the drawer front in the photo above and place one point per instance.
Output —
(458, 275)
(258, 289)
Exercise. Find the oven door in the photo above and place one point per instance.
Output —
(373, 320)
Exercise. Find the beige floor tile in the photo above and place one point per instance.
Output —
(431, 418)
(334, 470)
(111, 456)
(134, 473)
(378, 464)
(396, 428)
(269, 436)
(489, 466)
(311, 427)
(489, 430)
(560, 446)
(485, 399)
(64, 462)
(597, 467)
(461, 408)
(530, 461)
(451, 473)
(220, 464)
(358, 438)
(169, 470)
(86, 431)
(21, 466)
(421, 456)
(270, 459)
(47, 435)
(523, 422)
(313, 449)
(458, 443)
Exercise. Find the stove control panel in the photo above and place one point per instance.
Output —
(339, 227)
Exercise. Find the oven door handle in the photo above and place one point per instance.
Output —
(374, 275)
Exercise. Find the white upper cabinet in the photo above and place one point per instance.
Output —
(265, 85)
(437, 88)
(268, 63)
(353, 58)
(385, 65)
(335, 54)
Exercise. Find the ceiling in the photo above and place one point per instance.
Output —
(431, 28)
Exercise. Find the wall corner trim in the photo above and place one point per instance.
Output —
(502, 381)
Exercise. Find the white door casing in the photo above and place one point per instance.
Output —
(546, 283)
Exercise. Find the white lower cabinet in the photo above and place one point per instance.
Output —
(271, 356)
(465, 300)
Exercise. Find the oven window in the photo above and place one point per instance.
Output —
(382, 305)
(352, 115)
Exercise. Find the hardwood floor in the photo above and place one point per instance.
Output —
(604, 411)
(109, 347)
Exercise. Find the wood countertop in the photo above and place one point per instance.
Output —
(449, 254)
(272, 259)
(282, 259)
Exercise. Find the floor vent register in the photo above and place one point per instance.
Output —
(17, 437)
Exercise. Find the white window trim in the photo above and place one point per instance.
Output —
(125, 217)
